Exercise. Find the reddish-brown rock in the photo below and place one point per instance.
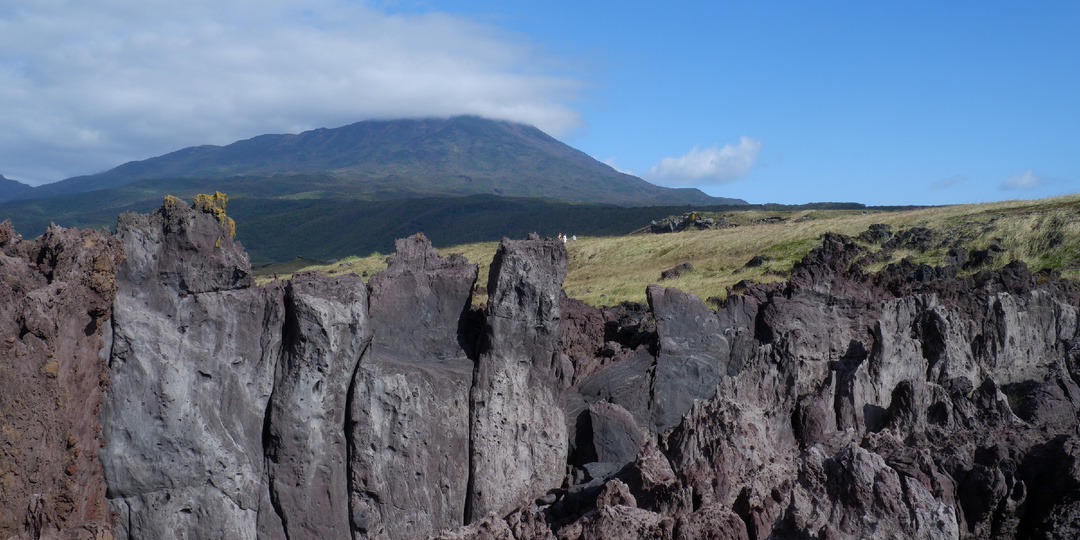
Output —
(56, 298)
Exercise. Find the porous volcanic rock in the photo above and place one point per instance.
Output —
(906, 403)
(516, 417)
(56, 295)
(855, 494)
(192, 369)
(409, 404)
(326, 329)
(916, 401)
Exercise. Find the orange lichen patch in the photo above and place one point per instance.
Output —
(50, 369)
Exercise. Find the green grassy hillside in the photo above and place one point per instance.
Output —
(605, 270)
(277, 227)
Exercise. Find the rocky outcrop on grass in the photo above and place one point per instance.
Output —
(685, 222)
(677, 271)
(917, 401)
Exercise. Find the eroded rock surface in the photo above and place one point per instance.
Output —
(840, 404)
(326, 330)
(913, 402)
(516, 417)
(56, 297)
(192, 369)
(409, 412)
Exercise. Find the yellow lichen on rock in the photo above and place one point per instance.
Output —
(171, 202)
(215, 204)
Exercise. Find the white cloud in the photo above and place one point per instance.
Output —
(949, 182)
(711, 165)
(85, 86)
(610, 162)
(1024, 181)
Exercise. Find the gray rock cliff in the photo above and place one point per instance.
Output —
(409, 403)
(326, 330)
(192, 372)
(911, 402)
(515, 415)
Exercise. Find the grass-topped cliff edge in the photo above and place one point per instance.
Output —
(1044, 234)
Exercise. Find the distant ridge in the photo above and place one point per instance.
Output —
(392, 159)
(10, 188)
(354, 189)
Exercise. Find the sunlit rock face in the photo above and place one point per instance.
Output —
(192, 363)
(516, 416)
(409, 401)
(165, 396)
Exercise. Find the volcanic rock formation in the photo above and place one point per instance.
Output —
(151, 390)
(56, 296)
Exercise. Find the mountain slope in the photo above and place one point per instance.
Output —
(281, 228)
(10, 188)
(464, 155)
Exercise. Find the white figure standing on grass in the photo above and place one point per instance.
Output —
(562, 237)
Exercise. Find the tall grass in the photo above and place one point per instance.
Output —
(608, 270)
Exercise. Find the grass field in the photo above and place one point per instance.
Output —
(1043, 233)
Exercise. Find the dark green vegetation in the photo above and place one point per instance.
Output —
(11, 188)
(282, 228)
(333, 192)
(606, 270)
(398, 159)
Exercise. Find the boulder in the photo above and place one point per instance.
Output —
(677, 271)
(616, 436)
(757, 261)
(694, 353)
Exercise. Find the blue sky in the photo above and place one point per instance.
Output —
(791, 102)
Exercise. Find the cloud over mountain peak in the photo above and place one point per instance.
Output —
(93, 85)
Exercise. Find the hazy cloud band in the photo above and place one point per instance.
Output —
(85, 86)
(1024, 181)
